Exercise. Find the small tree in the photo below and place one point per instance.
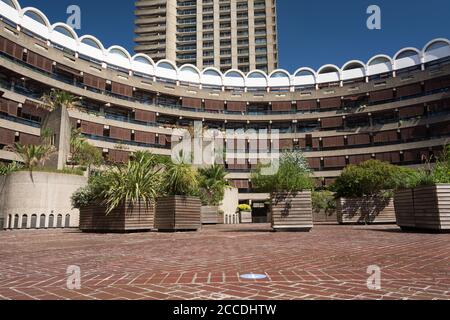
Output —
(83, 153)
(212, 184)
(293, 175)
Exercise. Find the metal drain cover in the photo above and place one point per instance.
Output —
(252, 276)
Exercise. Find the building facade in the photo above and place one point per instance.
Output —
(226, 34)
(395, 109)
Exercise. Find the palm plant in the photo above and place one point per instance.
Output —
(212, 184)
(58, 99)
(33, 156)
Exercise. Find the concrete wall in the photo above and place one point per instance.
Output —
(47, 194)
(58, 122)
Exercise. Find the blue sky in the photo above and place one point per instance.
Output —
(311, 33)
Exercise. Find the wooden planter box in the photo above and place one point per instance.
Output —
(245, 217)
(126, 218)
(210, 215)
(424, 208)
(323, 216)
(366, 210)
(178, 213)
(292, 212)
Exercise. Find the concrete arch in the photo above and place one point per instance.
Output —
(193, 75)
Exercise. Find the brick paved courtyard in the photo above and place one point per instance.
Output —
(328, 263)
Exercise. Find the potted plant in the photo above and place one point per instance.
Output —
(121, 199)
(290, 187)
(245, 213)
(365, 193)
(422, 199)
(212, 185)
(179, 209)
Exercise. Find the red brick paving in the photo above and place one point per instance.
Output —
(328, 263)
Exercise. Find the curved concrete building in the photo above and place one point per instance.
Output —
(395, 109)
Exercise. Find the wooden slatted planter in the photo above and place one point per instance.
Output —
(292, 211)
(424, 208)
(210, 215)
(366, 210)
(178, 213)
(245, 217)
(125, 218)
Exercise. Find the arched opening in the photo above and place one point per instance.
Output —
(353, 72)
(304, 79)
(36, 17)
(67, 221)
(42, 221)
(436, 53)
(379, 67)
(64, 31)
(10, 3)
(91, 43)
(328, 77)
(33, 221)
(51, 221)
(10, 221)
(24, 221)
(59, 221)
(119, 53)
(16, 222)
(234, 81)
(211, 78)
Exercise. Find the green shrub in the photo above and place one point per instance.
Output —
(370, 178)
(244, 208)
(293, 175)
(433, 174)
(323, 201)
(9, 168)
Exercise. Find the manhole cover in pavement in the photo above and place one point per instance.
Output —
(253, 276)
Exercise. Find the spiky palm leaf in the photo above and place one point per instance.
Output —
(137, 182)
(33, 156)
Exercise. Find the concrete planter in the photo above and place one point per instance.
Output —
(126, 218)
(245, 217)
(424, 208)
(292, 212)
(366, 210)
(178, 213)
(210, 215)
(39, 201)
